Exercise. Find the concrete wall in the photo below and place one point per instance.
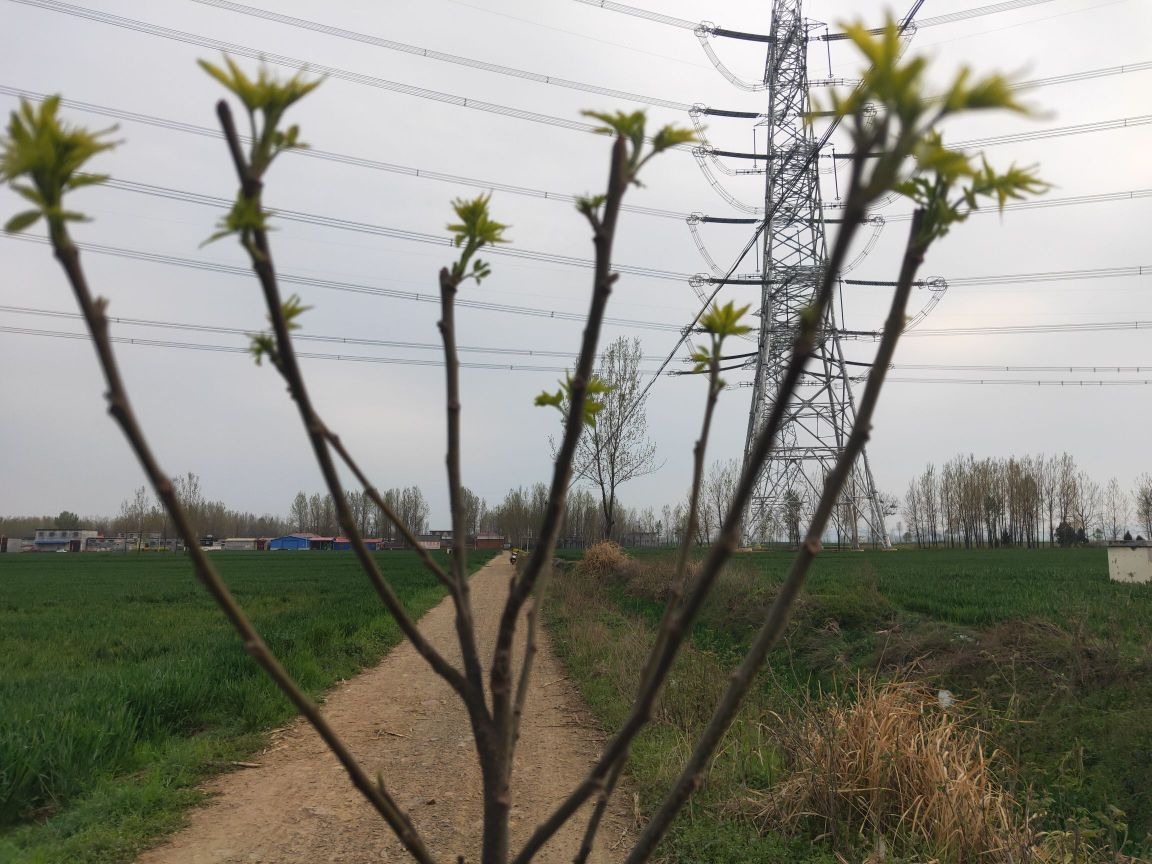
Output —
(1130, 563)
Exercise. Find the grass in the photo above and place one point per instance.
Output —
(122, 687)
(1054, 659)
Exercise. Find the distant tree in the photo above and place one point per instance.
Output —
(617, 448)
(298, 513)
(134, 513)
(1143, 499)
(913, 511)
(1117, 509)
(67, 519)
(473, 506)
(793, 513)
(361, 508)
(188, 491)
(1065, 534)
(719, 487)
(414, 509)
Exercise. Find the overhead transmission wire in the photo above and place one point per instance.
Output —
(1016, 278)
(312, 355)
(1030, 329)
(1016, 330)
(328, 155)
(685, 24)
(54, 5)
(1117, 382)
(543, 194)
(401, 234)
(442, 56)
(349, 287)
(359, 78)
(512, 367)
(299, 336)
(553, 80)
(977, 331)
(385, 230)
(989, 141)
(294, 63)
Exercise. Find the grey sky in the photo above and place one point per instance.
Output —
(220, 416)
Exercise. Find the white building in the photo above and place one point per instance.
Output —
(68, 539)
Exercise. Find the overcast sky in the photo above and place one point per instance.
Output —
(219, 415)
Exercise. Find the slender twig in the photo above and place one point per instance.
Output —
(675, 592)
(598, 812)
(541, 556)
(288, 365)
(854, 211)
(777, 616)
(465, 626)
(391, 515)
(530, 649)
(120, 408)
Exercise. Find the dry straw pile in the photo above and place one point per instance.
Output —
(891, 768)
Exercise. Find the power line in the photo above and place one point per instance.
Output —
(299, 336)
(327, 155)
(408, 171)
(684, 24)
(442, 56)
(992, 141)
(1011, 278)
(1057, 132)
(1041, 203)
(1022, 329)
(1089, 74)
(311, 355)
(1023, 382)
(386, 231)
(319, 69)
(1097, 369)
(511, 367)
(349, 287)
(526, 352)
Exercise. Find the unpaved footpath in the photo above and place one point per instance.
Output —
(402, 720)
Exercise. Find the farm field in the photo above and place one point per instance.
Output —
(1047, 656)
(122, 686)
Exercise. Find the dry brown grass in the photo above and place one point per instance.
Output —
(891, 768)
(605, 558)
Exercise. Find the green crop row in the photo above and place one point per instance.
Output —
(122, 686)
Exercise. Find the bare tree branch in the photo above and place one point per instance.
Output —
(777, 617)
(120, 408)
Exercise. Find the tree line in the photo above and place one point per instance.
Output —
(1021, 501)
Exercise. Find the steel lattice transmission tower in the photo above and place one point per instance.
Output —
(821, 414)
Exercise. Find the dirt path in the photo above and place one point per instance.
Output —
(298, 806)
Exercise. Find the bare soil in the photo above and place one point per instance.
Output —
(402, 720)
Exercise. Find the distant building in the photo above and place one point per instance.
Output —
(291, 541)
(430, 541)
(488, 541)
(343, 544)
(239, 544)
(67, 539)
(320, 544)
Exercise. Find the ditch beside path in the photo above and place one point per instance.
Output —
(401, 719)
